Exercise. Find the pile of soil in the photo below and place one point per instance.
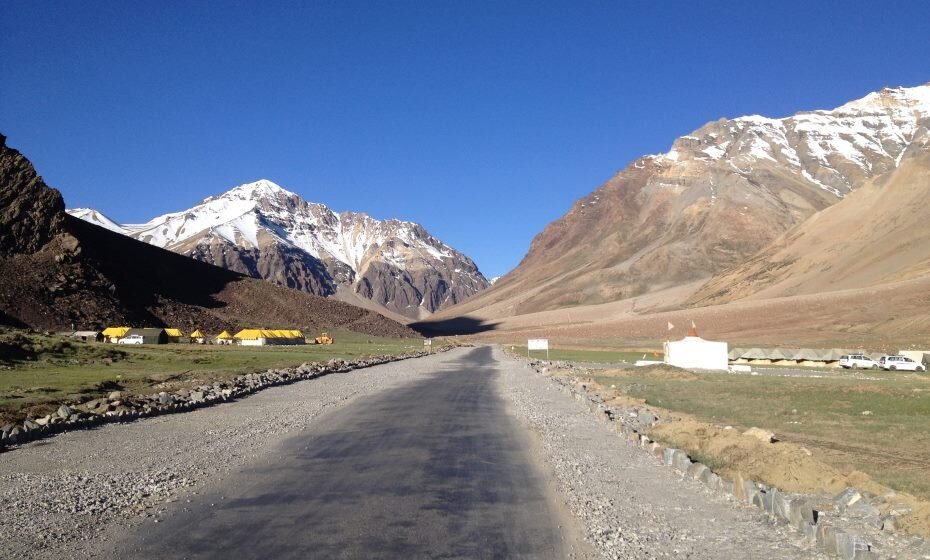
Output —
(733, 455)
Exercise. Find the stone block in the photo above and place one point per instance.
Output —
(809, 530)
(800, 512)
(709, 479)
(846, 544)
(826, 538)
(739, 491)
(750, 492)
(668, 455)
(782, 507)
(847, 497)
(696, 470)
(681, 461)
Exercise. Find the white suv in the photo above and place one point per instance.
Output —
(900, 363)
(857, 361)
(131, 339)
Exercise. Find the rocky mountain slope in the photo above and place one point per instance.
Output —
(57, 270)
(877, 235)
(265, 231)
(721, 195)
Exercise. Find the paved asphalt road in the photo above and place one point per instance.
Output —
(435, 468)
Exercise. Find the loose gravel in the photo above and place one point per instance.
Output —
(69, 495)
(74, 494)
(630, 505)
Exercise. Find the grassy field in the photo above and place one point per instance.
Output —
(37, 371)
(890, 442)
(584, 355)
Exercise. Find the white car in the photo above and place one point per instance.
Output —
(131, 339)
(857, 361)
(900, 363)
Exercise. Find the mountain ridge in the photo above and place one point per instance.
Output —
(58, 272)
(265, 231)
(719, 196)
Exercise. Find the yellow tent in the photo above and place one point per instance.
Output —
(271, 336)
(113, 333)
(224, 338)
(248, 334)
(197, 334)
(174, 333)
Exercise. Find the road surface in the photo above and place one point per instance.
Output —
(433, 468)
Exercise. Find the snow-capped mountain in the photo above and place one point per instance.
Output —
(96, 218)
(265, 231)
(720, 195)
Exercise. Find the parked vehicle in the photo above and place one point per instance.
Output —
(131, 339)
(900, 363)
(857, 361)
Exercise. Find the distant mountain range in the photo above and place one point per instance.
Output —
(750, 207)
(58, 272)
(265, 231)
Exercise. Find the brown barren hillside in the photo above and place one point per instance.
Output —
(56, 270)
(811, 229)
(718, 197)
(876, 235)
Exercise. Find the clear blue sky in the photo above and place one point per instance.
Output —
(482, 121)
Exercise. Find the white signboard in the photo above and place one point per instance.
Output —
(427, 342)
(537, 344)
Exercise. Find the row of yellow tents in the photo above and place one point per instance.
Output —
(282, 335)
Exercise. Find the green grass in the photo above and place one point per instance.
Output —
(585, 355)
(53, 369)
(892, 444)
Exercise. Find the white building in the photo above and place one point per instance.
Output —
(693, 352)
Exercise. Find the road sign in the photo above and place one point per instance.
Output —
(428, 344)
(537, 344)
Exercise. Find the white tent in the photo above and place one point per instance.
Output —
(693, 352)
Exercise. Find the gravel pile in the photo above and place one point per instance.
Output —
(69, 495)
(630, 505)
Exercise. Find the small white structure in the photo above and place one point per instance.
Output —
(537, 344)
(693, 352)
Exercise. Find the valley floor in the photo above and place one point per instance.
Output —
(585, 492)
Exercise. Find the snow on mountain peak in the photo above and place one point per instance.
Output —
(832, 150)
(95, 217)
(915, 98)
(263, 189)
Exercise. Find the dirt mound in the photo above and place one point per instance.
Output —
(67, 271)
(658, 371)
(785, 466)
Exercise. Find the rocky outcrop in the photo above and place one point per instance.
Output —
(31, 213)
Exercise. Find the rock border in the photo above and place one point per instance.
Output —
(813, 516)
(118, 407)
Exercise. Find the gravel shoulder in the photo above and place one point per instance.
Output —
(75, 495)
(629, 505)
(72, 494)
